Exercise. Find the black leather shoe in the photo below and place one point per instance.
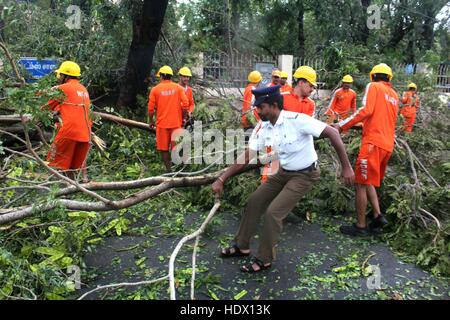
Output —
(354, 231)
(378, 222)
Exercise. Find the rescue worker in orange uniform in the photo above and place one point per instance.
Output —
(254, 78)
(342, 102)
(305, 82)
(286, 88)
(171, 104)
(378, 114)
(410, 104)
(185, 77)
(71, 144)
(276, 78)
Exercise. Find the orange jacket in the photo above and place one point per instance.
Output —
(342, 101)
(411, 102)
(378, 114)
(286, 89)
(74, 112)
(169, 99)
(248, 100)
(190, 96)
(292, 102)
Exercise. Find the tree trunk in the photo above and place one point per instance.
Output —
(2, 25)
(364, 31)
(147, 23)
(301, 29)
(400, 27)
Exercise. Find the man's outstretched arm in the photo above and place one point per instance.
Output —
(347, 175)
(242, 162)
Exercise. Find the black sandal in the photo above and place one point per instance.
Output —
(236, 253)
(249, 267)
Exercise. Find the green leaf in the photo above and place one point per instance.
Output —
(240, 295)
(213, 295)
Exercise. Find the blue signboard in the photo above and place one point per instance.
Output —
(37, 68)
(409, 69)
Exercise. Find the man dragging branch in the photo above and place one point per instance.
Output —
(291, 135)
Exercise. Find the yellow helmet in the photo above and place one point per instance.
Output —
(165, 70)
(254, 77)
(412, 85)
(276, 73)
(308, 73)
(185, 72)
(381, 68)
(284, 74)
(348, 79)
(69, 68)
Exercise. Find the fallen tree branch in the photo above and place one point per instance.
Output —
(123, 284)
(438, 223)
(418, 161)
(182, 242)
(12, 119)
(13, 64)
(123, 121)
(194, 266)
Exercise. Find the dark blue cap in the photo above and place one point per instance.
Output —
(262, 94)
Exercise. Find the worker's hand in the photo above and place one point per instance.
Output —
(336, 126)
(217, 187)
(151, 126)
(348, 176)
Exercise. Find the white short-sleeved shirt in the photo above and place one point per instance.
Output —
(291, 138)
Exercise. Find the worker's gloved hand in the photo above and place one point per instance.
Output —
(217, 186)
(151, 125)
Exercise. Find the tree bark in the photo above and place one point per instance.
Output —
(364, 31)
(402, 24)
(147, 23)
(301, 29)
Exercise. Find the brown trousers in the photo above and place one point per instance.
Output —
(274, 199)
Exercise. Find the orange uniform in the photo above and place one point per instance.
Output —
(342, 101)
(71, 144)
(286, 89)
(292, 102)
(169, 100)
(190, 97)
(248, 100)
(410, 101)
(378, 114)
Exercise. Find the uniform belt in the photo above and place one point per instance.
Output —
(310, 168)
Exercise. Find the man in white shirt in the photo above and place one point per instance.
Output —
(290, 135)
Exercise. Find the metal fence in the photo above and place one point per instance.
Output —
(443, 78)
(317, 64)
(231, 71)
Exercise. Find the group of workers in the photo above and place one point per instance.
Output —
(284, 129)
(174, 104)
